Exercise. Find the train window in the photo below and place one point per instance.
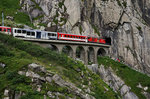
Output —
(28, 33)
(0, 29)
(33, 33)
(49, 34)
(52, 34)
(18, 31)
(59, 35)
(9, 30)
(15, 30)
(4, 30)
(24, 31)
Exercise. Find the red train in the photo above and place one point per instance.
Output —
(37, 34)
(5, 29)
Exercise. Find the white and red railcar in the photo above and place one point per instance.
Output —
(5, 29)
(71, 37)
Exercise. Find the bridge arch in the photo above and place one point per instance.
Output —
(101, 52)
(53, 47)
(68, 50)
(80, 53)
(91, 55)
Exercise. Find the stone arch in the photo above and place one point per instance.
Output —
(68, 50)
(80, 53)
(91, 55)
(101, 52)
(53, 47)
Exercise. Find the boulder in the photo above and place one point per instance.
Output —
(2, 65)
(34, 75)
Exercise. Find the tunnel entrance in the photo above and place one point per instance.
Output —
(108, 40)
(68, 51)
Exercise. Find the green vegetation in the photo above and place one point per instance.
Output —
(139, 28)
(119, 3)
(36, 5)
(11, 8)
(61, 4)
(96, 30)
(80, 28)
(131, 77)
(124, 4)
(17, 54)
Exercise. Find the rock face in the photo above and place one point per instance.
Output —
(114, 81)
(124, 23)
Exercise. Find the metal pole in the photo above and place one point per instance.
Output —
(2, 18)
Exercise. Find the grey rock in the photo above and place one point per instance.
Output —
(35, 13)
(2, 65)
(50, 94)
(124, 89)
(37, 68)
(146, 94)
(34, 75)
(93, 67)
(21, 72)
(130, 95)
(58, 80)
(49, 79)
(10, 18)
(6, 98)
(145, 88)
(6, 92)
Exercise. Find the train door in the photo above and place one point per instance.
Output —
(38, 35)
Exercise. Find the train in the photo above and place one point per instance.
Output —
(38, 34)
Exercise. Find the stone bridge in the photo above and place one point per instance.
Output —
(87, 52)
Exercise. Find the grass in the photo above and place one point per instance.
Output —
(17, 54)
(11, 8)
(131, 77)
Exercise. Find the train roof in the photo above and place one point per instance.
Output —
(71, 34)
(5, 26)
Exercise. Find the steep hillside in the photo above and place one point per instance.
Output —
(13, 14)
(29, 71)
(139, 83)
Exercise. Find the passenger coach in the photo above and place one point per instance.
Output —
(70, 37)
(5, 29)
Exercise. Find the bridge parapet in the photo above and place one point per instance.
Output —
(85, 55)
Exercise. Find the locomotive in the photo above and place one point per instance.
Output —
(38, 34)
